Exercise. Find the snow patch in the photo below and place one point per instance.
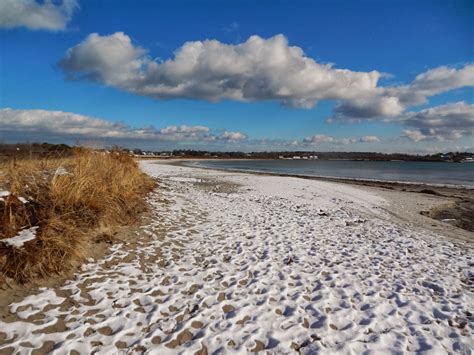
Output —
(184, 179)
(21, 238)
(61, 171)
(23, 200)
(4, 194)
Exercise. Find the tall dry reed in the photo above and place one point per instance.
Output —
(70, 200)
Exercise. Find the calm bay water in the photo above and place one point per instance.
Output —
(425, 172)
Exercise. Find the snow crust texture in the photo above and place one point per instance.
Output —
(279, 265)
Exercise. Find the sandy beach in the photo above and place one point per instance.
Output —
(228, 262)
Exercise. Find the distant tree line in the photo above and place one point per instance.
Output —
(34, 150)
(439, 157)
(25, 150)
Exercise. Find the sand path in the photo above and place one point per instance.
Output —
(278, 264)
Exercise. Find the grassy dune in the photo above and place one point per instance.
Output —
(73, 202)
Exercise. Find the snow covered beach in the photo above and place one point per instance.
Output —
(235, 263)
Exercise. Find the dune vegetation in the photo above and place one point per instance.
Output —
(69, 204)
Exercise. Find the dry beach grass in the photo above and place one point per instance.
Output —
(73, 202)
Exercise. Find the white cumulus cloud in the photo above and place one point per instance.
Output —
(443, 123)
(319, 138)
(369, 139)
(415, 136)
(322, 138)
(34, 15)
(390, 102)
(67, 124)
(260, 69)
(257, 69)
(232, 136)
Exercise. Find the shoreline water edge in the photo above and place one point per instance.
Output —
(220, 164)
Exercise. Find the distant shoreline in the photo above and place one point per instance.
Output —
(173, 158)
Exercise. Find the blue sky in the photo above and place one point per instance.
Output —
(398, 39)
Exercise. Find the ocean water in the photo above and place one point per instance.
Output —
(421, 172)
